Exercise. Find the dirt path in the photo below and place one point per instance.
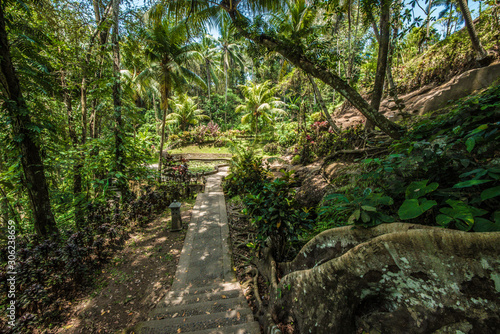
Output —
(132, 283)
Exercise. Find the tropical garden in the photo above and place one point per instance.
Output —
(103, 100)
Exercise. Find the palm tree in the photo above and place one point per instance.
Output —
(186, 112)
(205, 11)
(476, 43)
(295, 22)
(210, 51)
(230, 51)
(170, 54)
(450, 7)
(260, 104)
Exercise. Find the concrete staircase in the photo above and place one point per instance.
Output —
(205, 296)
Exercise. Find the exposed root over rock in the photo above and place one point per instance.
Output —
(392, 277)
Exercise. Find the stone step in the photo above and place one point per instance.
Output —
(197, 322)
(188, 310)
(200, 298)
(246, 328)
(197, 290)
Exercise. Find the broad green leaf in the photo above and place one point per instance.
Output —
(490, 193)
(470, 183)
(484, 225)
(420, 188)
(477, 170)
(494, 176)
(478, 129)
(368, 208)
(463, 226)
(412, 208)
(459, 211)
(365, 217)
(443, 220)
(470, 143)
(427, 204)
(386, 219)
(496, 217)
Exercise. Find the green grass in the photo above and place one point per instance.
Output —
(205, 166)
(196, 149)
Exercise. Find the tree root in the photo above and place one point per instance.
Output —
(265, 317)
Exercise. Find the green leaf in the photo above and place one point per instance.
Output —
(385, 218)
(355, 216)
(420, 188)
(365, 217)
(471, 172)
(470, 183)
(463, 226)
(496, 217)
(484, 225)
(412, 208)
(490, 193)
(494, 176)
(478, 129)
(427, 204)
(368, 208)
(470, 143)
(443, 220)
(459, 211)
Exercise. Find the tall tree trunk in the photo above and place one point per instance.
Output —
(383, 50)
(448, 24)
(31, 161)
(225, 96)
(324, 74)
(165, 97)
(207, 63)
(428, 24)
(476, 43)
(117, 101)
(349, 33)
(393, 91)
(225, 74)
(352, 52)
(208, 86)
(77, 175)
(317, 93)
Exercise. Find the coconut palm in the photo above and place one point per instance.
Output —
(260, 105)
(230, 51)
(170, 55)
(186, 112)
(476, 43)
(210, 51)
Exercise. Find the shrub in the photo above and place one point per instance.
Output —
(247, 173)
(275, 214)
(296, 159)
(271, 148)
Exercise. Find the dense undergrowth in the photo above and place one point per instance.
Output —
(444, 172)
(52, 271)
(448, 57)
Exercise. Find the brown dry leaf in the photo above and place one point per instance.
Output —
(238, 315)
(179, 330)
(224, 297)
